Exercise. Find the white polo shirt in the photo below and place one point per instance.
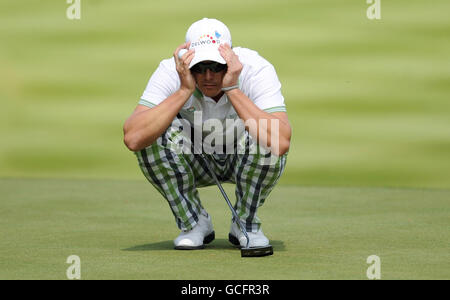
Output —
(258, 81)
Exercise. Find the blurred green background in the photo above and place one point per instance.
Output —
(368, 99)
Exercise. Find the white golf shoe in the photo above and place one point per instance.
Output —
(197, 237)
(237, 238)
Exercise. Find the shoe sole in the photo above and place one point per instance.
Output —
(208, 239)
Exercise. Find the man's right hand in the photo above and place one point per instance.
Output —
(182, 65)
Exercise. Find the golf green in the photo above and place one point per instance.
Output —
(124, 230)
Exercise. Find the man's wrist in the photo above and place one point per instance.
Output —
(229, 88)
(185, 93)
(232, 92)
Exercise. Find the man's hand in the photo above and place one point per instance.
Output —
(234, 66)
(182, 65)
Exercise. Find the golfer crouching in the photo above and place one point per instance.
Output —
(216, 103)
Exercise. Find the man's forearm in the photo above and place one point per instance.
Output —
(263, 129)
(142, 128)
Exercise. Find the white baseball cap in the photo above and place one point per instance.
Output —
(206, 35)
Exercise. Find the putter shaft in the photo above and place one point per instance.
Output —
(233, 211)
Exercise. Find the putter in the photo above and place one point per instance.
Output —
(245, 251)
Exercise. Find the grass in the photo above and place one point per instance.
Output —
(368, 169)
(123, 230)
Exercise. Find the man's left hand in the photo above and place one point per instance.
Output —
(231, 77)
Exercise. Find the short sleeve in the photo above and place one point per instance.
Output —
(265, 90)
(163, 83)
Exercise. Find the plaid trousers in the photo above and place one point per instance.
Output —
(177, 175)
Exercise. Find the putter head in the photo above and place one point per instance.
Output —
(256, 251)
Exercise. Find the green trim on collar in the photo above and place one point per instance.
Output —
(198, 94)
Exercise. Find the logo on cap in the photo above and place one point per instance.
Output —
(207, 39)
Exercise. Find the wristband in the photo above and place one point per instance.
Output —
(226, 89)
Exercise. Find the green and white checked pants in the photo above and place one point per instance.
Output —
(177, 175)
